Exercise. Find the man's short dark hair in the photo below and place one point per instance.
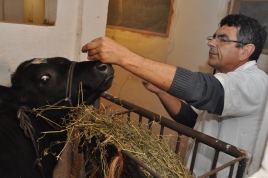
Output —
(250, 31)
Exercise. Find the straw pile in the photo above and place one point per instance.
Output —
(112, 129)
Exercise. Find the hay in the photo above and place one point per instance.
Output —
(115, 129)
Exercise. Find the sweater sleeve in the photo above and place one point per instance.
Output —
(187, 116)
(201, 90)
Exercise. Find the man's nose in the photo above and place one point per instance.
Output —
(212, 43)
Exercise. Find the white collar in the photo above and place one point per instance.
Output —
(247, 65)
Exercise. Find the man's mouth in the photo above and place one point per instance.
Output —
(212, 53)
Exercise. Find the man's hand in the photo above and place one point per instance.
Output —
(152, 88)
(106, 50)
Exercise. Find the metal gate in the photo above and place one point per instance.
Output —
(240, 156)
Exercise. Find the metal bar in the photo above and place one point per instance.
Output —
(140, 118)
(216, 156)
(214, 171)
(213, 176)
(214, 163)
(136, 160)
(128, 117)
(231, 171)
(124, 112)
(242, 166)
(194, 156)
(150, 124)
(161, 130)
(178, 143)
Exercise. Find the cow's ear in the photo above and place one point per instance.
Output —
(6, 96)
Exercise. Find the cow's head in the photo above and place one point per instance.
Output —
(54, 81)
(40, 82)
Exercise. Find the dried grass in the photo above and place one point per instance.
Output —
(115, 129)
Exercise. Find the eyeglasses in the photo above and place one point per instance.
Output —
(220, 40)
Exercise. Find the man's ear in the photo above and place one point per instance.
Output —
(247, 50)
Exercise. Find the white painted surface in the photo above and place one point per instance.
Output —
(5, 73)
(51, 10)
(21, 42)
(94, 20)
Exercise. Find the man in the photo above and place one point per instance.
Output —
(232, 101)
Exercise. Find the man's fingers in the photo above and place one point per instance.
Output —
(93, 57)
(89, 46)
(92, 52)
(144, 82)
(85, 48)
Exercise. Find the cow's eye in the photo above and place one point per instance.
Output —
(44, 79)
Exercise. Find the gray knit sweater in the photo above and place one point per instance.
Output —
(201, 90)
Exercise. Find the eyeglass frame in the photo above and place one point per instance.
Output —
(223, 40)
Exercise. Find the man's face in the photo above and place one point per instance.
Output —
(223, 55)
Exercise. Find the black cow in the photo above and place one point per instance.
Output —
(36, 83)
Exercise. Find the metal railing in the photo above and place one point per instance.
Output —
(240, 156)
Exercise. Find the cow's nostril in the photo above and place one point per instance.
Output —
(102, 67)
(105, 68)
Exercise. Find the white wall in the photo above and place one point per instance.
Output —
(21, 42)
(195, 21)
(94, 20)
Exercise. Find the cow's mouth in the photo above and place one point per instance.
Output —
(90, 100)
(105, 85)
